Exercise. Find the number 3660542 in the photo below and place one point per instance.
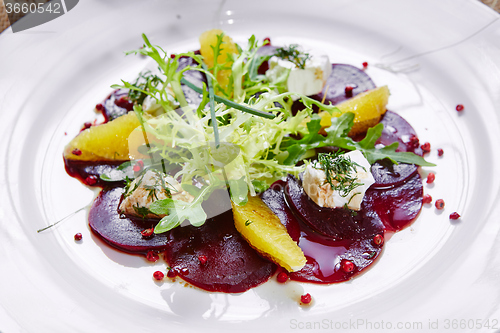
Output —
(25, 8)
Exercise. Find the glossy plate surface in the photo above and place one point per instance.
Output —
(432, 54)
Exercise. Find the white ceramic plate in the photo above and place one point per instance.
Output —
(436, 274)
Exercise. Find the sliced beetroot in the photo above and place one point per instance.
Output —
(231, 265)
(324, 255)
(396, 129)
(325, 260)
(343, 76)
(89, 172)
(397, 207)
(266, 50)
(336, 223)
(193, 76)
(121, 232)
(388, 174)
(115, 105)
(274, 198)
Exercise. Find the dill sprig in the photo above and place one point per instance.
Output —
(293, 54)
(142, 84)
(340, 172)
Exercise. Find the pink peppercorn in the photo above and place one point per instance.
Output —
(378, 240)
(454, 216)
(306, 299)
(78, 237)
(147, 232)
(426, 199)
(439, 204)
(203, 259)
(426, 147)
(365, 64)
(158, 275)
(172, 273)
(348, 90)
(347, 266)
(91, 180)
(459, 107)
(282, 277)
(430, 178)
(152, 256)
(440, 152)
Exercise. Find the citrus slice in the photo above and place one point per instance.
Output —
(263, 230)
(106, 142)
(208, 40)
(368, 107)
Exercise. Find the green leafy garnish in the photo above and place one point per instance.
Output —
(336, 136)
(241, 137)
(178, 211)
(293, 54)
(339, 170)
(144, 83)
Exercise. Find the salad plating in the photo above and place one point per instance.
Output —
(236, 163)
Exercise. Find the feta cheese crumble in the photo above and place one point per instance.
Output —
(148, 188)
(320, 191)
(307, 81)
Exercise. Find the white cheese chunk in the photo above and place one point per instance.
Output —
(307, 81)
(148, 188)
(321, 192)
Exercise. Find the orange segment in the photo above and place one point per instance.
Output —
(106, 142)
(368, 107)
(208, 39)
(264, 232)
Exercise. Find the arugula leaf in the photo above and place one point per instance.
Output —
(312, 140)
(239, 191)
(372, 154)
(337, 136)
(178, 211)
(122, 172)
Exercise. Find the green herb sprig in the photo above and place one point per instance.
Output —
(293, 54)
(230, 103)
(340, 172)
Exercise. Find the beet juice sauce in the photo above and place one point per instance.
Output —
(338, 243)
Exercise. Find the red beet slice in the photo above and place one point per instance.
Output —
(344, 75)
(82, 170)
(122, 232)
(396, 129)
(336, 223)
(324, 255)
(388, 174)
(115, 105)
(325, 259)
(193, 76)
(274, 198)
(232, 266)
(397, 207)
